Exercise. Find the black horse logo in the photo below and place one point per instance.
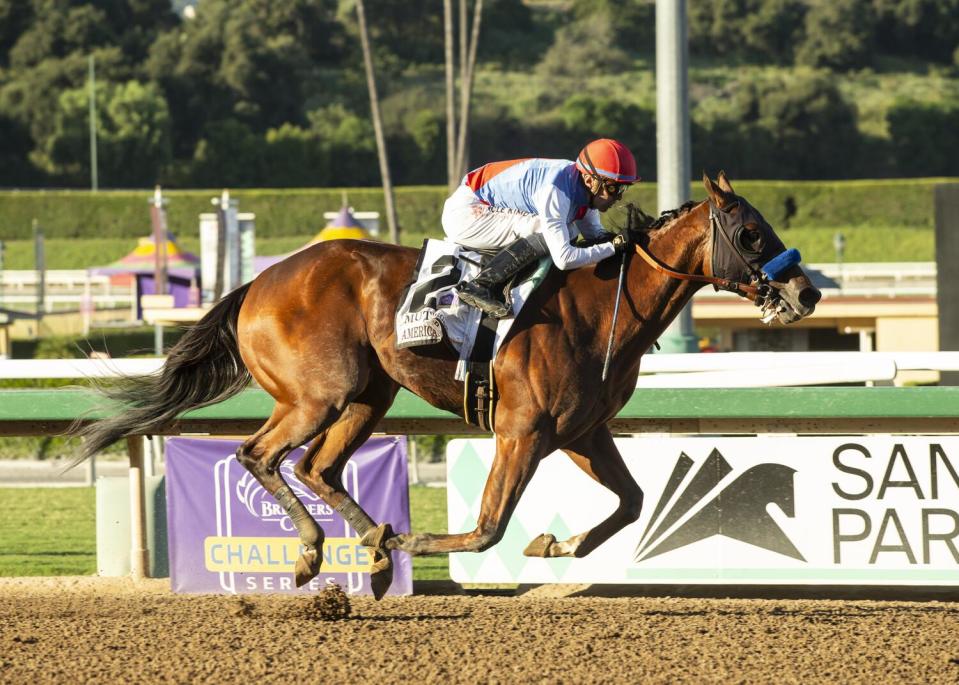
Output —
(738, 511)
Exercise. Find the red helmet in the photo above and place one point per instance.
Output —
(608, 158)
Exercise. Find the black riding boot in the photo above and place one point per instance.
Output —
(484, 291)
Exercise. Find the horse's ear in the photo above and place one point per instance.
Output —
(724, 183)
(715, 193)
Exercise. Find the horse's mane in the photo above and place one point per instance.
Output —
(638, 221)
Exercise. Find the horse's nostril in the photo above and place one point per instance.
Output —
(809, 297)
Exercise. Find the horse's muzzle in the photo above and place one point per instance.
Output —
(800, 298)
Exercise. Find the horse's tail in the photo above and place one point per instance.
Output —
(204, 367)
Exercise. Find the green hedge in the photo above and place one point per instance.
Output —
(299, 212)
(279, 212)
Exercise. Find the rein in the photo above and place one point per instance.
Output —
(723, 283)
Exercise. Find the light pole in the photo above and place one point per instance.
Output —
(673, 163)
(94, 182)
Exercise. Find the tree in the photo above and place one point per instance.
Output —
(715, 26)
(15, 17)
(772, 28)
(59, 28)
(575, 53)
(839, 35)
(404, 33)
(296, 157)
(378, 126)
(782, 126)
(46, 45)
(15, 145)
(633, 21)
(31, 97)
(228, 154)
(918, 28)
(457, 127)
(133, 135)
(924, 138)
(756, 30)
(587, 117)
(248, 60)
(517, 39)
(349, 141)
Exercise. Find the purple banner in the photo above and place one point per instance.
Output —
(228, 535)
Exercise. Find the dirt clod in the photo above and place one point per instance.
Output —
(242, 606)
(331, 604)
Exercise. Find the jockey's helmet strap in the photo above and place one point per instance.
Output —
(589, 163)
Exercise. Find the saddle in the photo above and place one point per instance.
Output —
(430, 312)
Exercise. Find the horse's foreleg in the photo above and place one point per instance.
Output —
(514, 464)
(597, 455)
(262, 454)
(322, 470)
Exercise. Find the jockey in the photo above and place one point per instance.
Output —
(530, 208)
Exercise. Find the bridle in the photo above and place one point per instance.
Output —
(761, 286)
(721, 283)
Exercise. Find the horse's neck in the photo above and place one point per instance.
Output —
(682, 245)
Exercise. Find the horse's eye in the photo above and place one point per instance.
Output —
(751, 239)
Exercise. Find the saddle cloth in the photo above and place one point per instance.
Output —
(430, 309)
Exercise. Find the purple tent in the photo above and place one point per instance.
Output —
(183, 271)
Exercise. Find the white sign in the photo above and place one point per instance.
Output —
(755, 510)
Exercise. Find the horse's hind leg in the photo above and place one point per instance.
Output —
(597, 455)
(322, 470)
(288, 428)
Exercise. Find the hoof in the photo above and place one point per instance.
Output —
(377, 537)
(381, 573)
(539, 547)
(307, 566)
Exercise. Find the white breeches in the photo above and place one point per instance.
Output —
(473, 224)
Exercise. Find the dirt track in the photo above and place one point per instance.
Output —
(110, 630)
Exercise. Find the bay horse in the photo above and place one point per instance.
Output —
(316, 331)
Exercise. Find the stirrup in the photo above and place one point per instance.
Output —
(476, 297)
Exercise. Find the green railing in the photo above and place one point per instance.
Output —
(715, 410)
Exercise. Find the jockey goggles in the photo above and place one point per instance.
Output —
(611, 188)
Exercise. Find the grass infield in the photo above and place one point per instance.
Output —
(61, 541)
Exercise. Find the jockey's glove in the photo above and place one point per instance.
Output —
(583, 241)
(621, 243)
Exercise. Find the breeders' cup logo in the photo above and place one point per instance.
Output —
(256, 543)
(262, 505)
(737, 511)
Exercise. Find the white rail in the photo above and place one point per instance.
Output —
(78, 368)
(745, 361)
(55, 278)
(729, 369)
(785, 369)
(51, 299)
(779, 377)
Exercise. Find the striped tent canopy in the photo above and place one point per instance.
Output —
(344, 225)
(143, 259)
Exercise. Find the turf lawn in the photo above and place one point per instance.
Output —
(62, 540)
